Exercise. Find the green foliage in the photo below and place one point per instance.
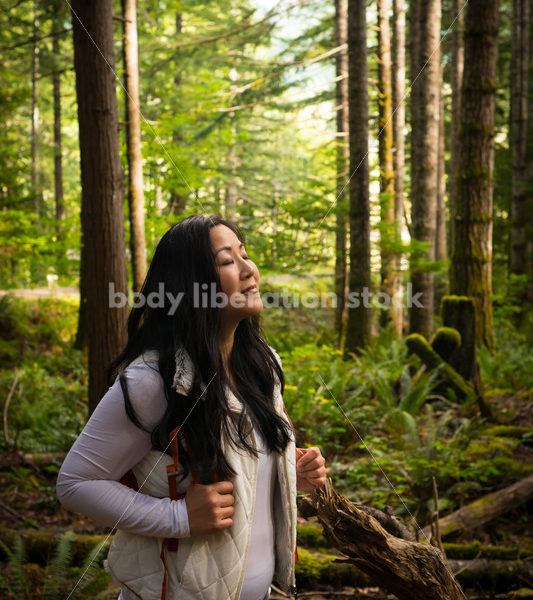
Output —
(59, 578)
(15, 581)
(48, 403)
(511, 368)
(400, 410)
(322, 396)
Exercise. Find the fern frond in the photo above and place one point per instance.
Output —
(61, 561)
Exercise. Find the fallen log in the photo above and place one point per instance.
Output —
(311, 536)
(43, 459)
(494, 575)
(409, 570)
(486, 509)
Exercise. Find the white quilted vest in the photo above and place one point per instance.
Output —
(208, 567)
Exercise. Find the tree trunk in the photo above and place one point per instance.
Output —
(343, 157)
(231, 186)
(102, 217)
(471, 261)
(58, 165)
(176, 203)
(519, 117)
(440, 237)
(274, 216)
(133, 144)
(426, 82)
(386, 133)
(398, 120)
(35, 188)
(456, 79)
(487, 508)
(458, 312)
(81, 341)
(529, 174)
(359, 312)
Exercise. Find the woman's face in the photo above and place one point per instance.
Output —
(239, 276)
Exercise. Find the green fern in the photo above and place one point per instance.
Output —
(57, 582)
(90, 569)
(61, 561)
(15, 581)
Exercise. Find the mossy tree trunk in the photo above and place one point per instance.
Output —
(471, 260)
(343, 157)
(426, 83)
(458, 312)
(358, 326)
(487, 508)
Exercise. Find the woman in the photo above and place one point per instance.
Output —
(195, 424)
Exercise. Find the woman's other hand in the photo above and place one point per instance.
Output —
(210, 507)
(310, 469)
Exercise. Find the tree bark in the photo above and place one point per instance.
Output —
(133, 144)
(529, 174)
(343, 157)
(519, 118)
(35, 188)
(358, 325)
(81, 341)
(388, 246)
(426, 83)
(471, 260)
(440, 236)
(102, 219)
(409, 570)
(487, 508)
(231, 186)
(456, 79)
(398, 120)
(274, 218)
(58, 165)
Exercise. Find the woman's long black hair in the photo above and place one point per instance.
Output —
(183, 258)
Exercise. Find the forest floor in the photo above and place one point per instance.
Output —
(471, 459)
(28, 503)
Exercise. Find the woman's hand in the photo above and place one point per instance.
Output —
(210, 507)
(310, 469)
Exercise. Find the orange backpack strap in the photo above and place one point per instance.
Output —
(171, 544)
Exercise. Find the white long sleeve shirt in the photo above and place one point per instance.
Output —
(110, 445)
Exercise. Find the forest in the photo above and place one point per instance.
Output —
(378, 158)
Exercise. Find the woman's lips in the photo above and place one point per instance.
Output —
(250, 290)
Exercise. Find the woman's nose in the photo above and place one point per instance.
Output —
(246, 269)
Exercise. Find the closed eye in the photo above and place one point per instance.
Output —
(230, 262)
